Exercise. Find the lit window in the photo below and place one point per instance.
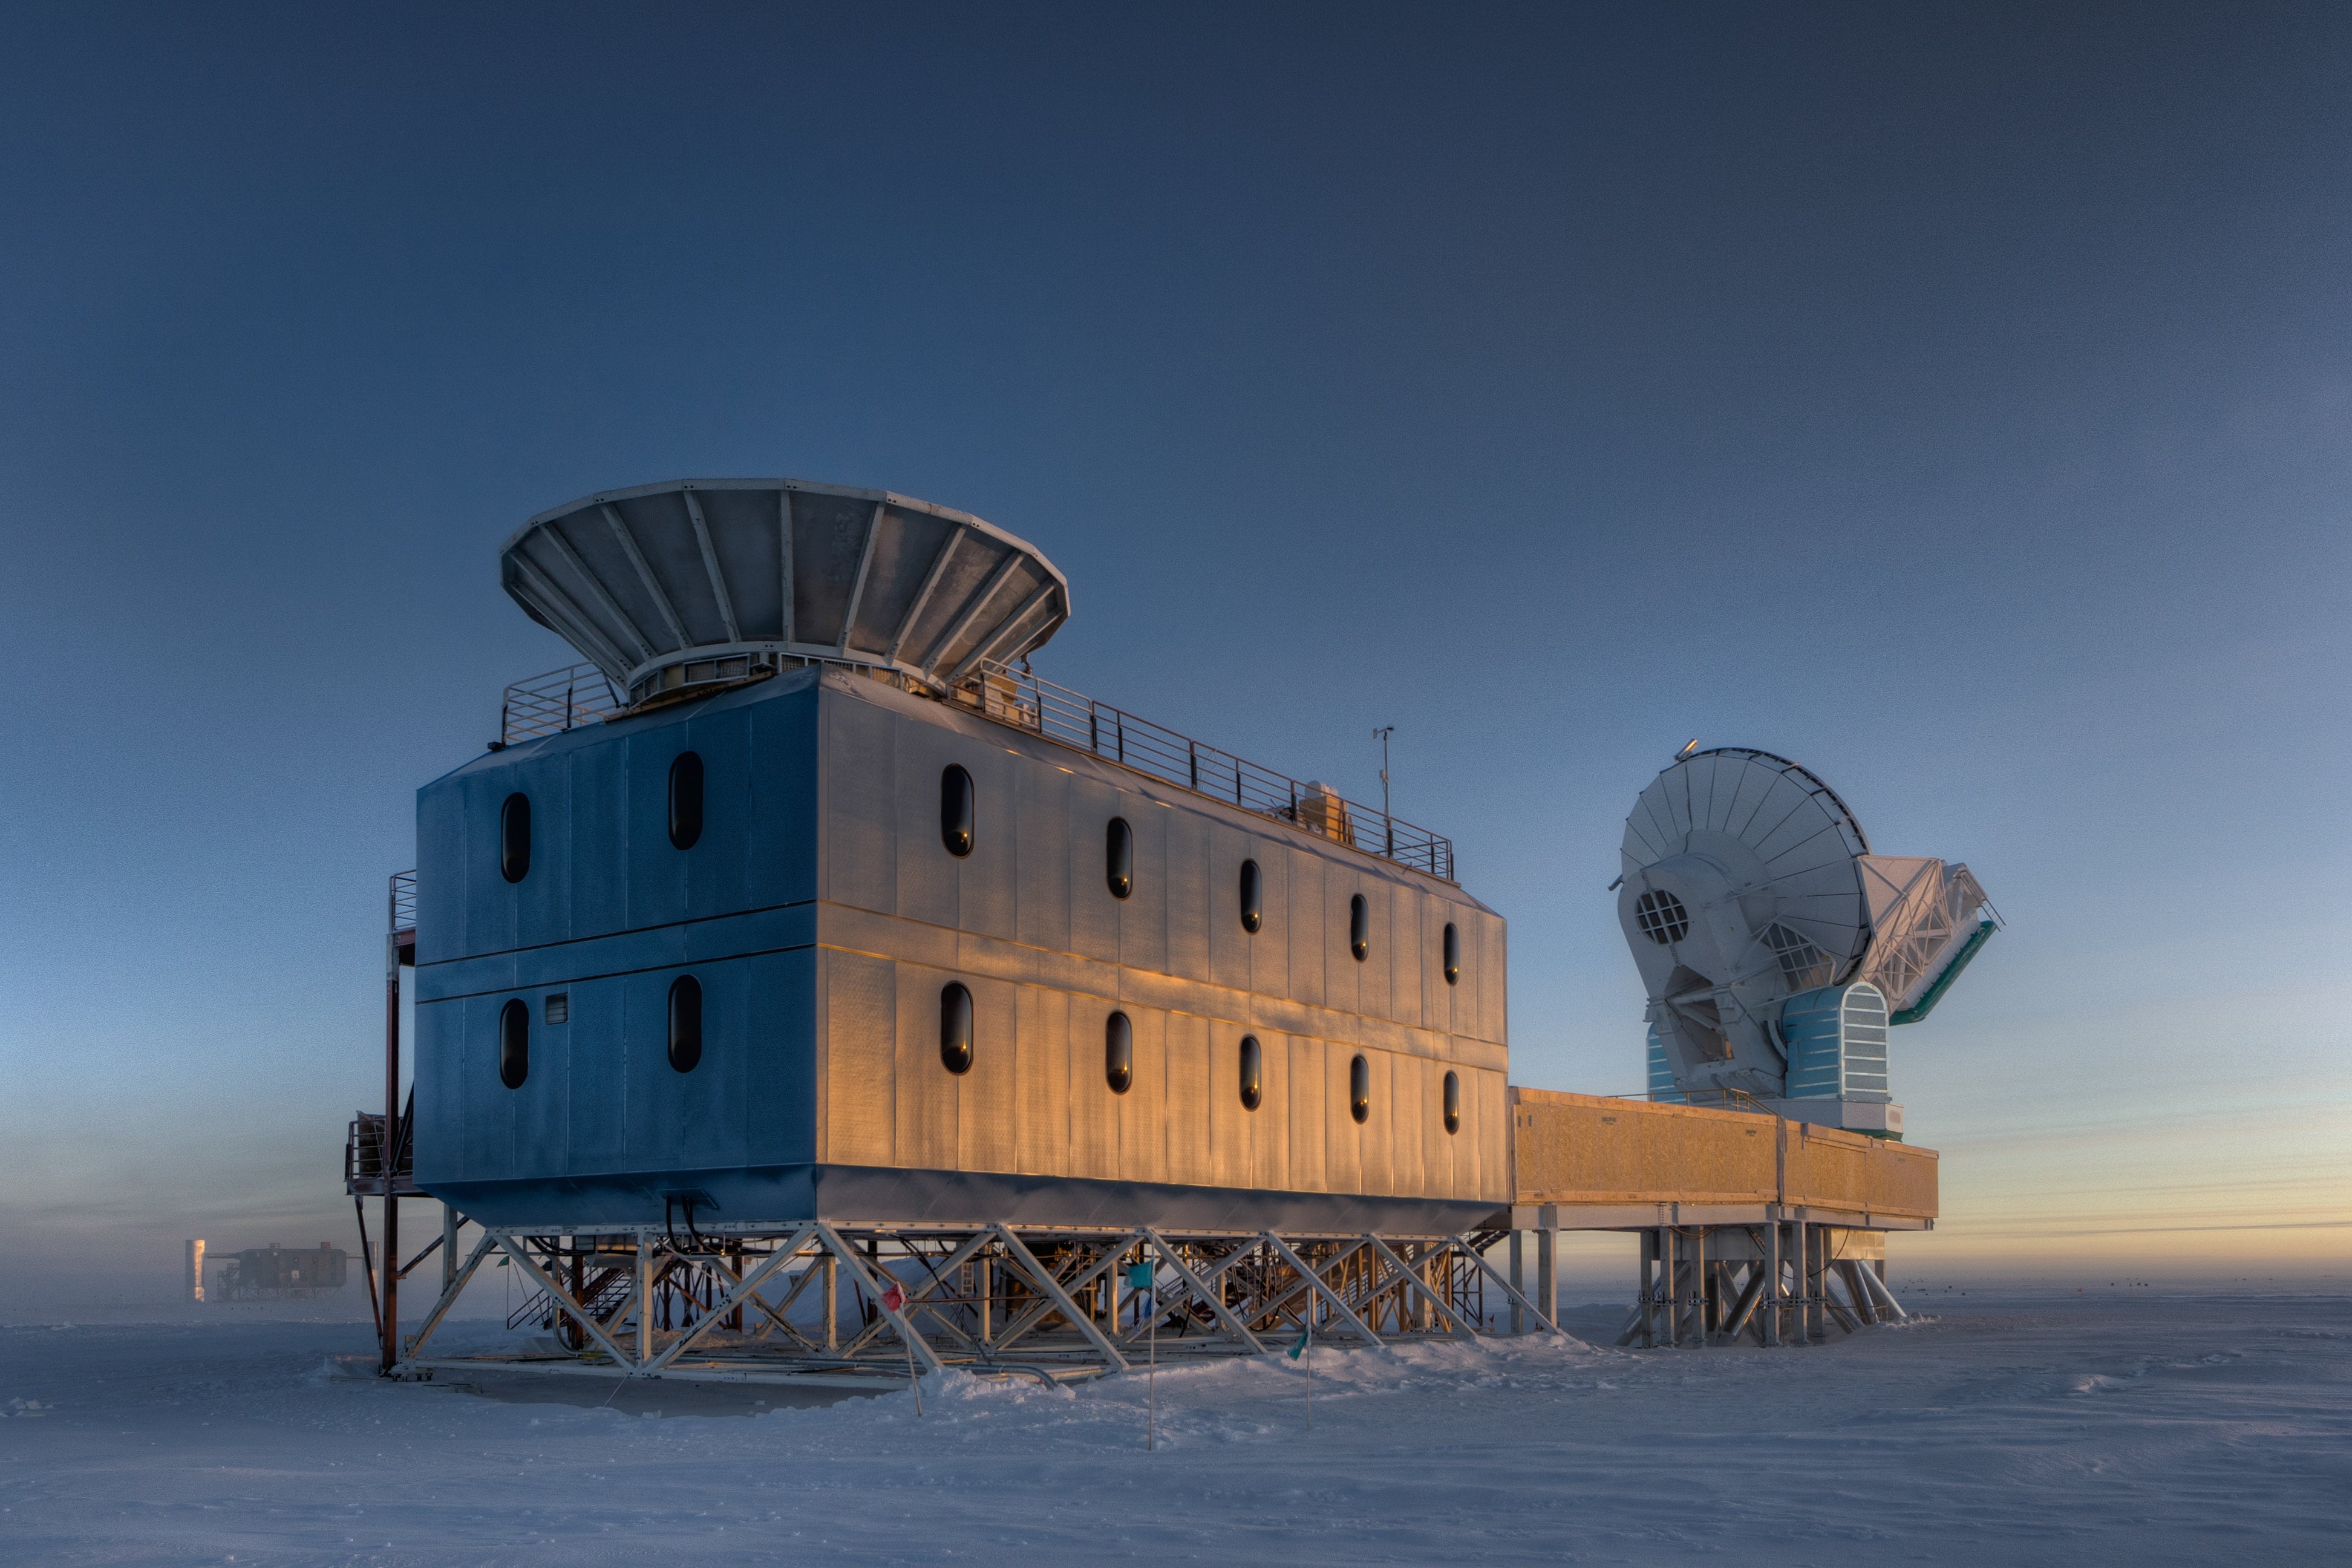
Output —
(1360, 1088)
(955, 1026)
(514, 1043)
(1118, 858)
(1360, 928)
(685, 1023)
(1452, 1102)
(685, 800)
(1118, 1053)
(1252, 1073)
(956, 827)
(1661, 917)
(1253, 898)
(514, 838)
(1453, 954)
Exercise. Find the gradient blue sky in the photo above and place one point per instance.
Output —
(1955, 399)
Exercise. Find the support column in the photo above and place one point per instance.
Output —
(1518, 1281)
(832, 1303)
(1817, 1285)
(1663, 1240)
(391, 1157)
(1699, 1324)
(1648, 1299)
(1665, 1291)
(986, 1275)
(451, 1223)
(1771, 1305)
(873, 1269)
(1547, 1273)
(644, 1299)
(567, 1332)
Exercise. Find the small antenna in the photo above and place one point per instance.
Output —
(1688, 747)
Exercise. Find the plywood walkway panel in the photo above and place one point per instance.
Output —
(1597, 1159)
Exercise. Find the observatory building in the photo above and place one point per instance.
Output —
(805, 921)
(826, 922)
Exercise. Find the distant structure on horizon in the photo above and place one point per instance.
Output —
(1777, 950)
(271, 1273)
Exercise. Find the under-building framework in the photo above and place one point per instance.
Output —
(823, 1303)
(1773, 1284)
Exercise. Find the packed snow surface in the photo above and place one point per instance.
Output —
(2137, 1427)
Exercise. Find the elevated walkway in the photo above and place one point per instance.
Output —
(1753, 1227)
(1585, 1162)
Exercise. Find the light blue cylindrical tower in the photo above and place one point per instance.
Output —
(1836, 1040)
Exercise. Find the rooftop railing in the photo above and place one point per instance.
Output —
(1017, 697)
(566, 699)
(365, 1166)
(404, 902)
(559, 701)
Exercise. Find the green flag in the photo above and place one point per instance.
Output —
(1303, 1335)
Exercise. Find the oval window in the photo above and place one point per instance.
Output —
(1253, 897)
(1118, 858)
(1118, 1053)
(955, 1026)
(956, 826)
(514, 1043)
(685, 801)
(514, 838)
(1252, 1073)
(1452, 1102)
(1453, 954)
(685, 1023)
(1359, 931)
(1360, 1088)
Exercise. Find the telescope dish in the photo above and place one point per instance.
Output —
(1790, 840)
(660, 584)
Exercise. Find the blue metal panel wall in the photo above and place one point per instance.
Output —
(609, 915)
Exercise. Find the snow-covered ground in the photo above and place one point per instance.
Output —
(2128, 1426)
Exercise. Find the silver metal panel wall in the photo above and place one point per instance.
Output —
(1028, 924)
